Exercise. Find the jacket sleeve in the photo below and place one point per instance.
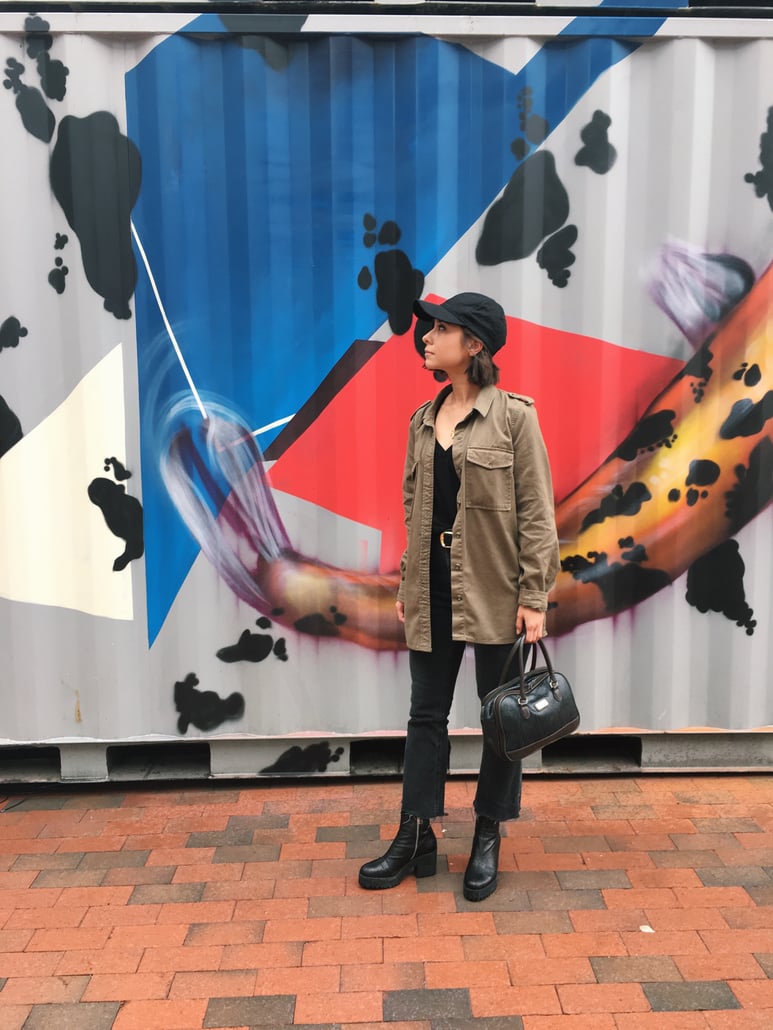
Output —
(409, 487)
(537, 537)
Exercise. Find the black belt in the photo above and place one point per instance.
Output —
(446, 539)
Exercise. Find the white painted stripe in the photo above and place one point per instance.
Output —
(167, 326)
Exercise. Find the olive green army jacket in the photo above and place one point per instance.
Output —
(504, 549)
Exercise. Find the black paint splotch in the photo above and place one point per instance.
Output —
(36, 116)
(655, 430)
(398, 283)
(314, 758)
(715, 583)
(534, 205)
(255, 647)
(747, 418)
(597, 153)
(555, 255)
(95, 175)
(750, 374)
(204, 709)
(534, 127)
(621, 585)
(273, 42)
(753, 490)
(318, 624)
(10, 428)
(120, 472)
(699, 369)
(57, 277)
(762, 180)
(52, 73)
(618, 502)
(61, 240)
(123, 515)
(702, 472)
(11, 332)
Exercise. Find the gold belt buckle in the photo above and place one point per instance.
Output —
(446, 539)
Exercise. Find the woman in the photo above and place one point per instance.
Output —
(481, 557)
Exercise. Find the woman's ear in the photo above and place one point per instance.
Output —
(474, 346)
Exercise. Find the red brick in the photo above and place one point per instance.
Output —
(224, 933)
(19, 963)
(90, 844)
(648, 878)
(380, 926)
(567, 971)
(738, 1019)
(355, 1007)
(152, 936)
(665, 942)
(16, 881)
(511, 1001)
(260, 956)
(618, 860)
(39, 918)
(43, 990)
(753, 994)
(306, 980)
(723, 942)
(603, 998)
(175, 856)
(719, 967)
(644, 899)
(662, 1021)
(44, 898)
(93, 897)
(343, 952)
(302, 930)
(440, 975)
(563, 1022)
(199, 912)
(99, 960)
(482, 948)
(206, 872)
(713, 897)
(127, 986)
(332, 886)
(13, 1017)
(14, 940)
(113, 915)
(238, 890)
(171, 959)
(438, 924)
(560, 945)
(423, 949)
(382, 976)
(74, 938)
(595, 920)
(332, 849)
(230, 983)
(161, 1015)
(271, 908)
(685, 919)
(403, 904)
(553, 862)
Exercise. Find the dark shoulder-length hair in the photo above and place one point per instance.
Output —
(481, 370)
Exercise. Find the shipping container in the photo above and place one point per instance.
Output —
(216, 219)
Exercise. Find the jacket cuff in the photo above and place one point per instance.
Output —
(536, 599)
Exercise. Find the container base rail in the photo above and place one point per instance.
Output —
(608, 753)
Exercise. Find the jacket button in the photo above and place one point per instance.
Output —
(458, 597)
(457, 566)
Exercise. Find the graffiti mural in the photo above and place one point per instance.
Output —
(209, 278)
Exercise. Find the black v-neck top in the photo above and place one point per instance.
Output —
(446, 488)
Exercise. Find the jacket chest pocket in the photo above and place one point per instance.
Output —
(489, 478)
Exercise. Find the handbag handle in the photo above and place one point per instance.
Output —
(516, 651)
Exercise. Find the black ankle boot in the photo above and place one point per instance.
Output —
(480, 878)
(414, 849)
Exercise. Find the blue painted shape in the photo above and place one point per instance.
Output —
(255, 182)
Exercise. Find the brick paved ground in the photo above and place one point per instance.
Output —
(624, 904)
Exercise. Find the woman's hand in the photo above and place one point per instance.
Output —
(400, 609)
(531, 622)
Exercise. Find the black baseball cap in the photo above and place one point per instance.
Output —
(481, 315)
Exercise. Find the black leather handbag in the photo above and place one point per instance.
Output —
(529, 710)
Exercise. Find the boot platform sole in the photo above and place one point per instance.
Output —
(479, 893)
(426, 865)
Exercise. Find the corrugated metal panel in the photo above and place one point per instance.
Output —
(199, 220)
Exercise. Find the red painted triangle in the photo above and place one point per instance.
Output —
(589, 394)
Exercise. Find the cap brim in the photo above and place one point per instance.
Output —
(430, 312)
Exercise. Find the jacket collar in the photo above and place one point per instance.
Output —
(483, 402)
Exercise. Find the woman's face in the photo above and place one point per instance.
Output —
(446, 348)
